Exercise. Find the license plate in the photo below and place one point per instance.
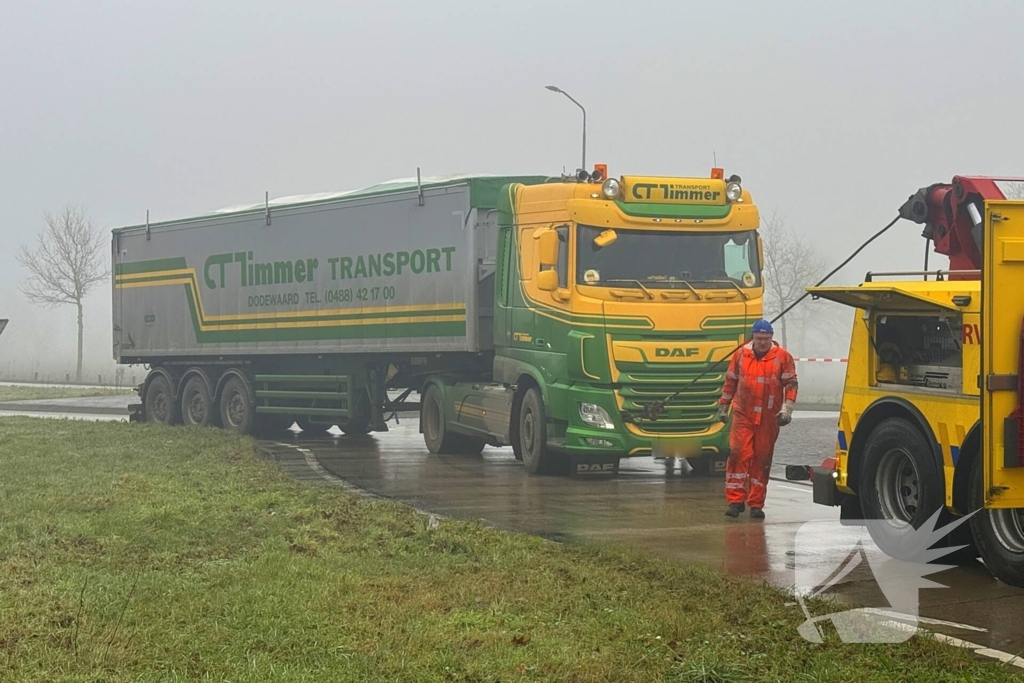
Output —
(676, 447)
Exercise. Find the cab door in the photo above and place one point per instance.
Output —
(1002, 316)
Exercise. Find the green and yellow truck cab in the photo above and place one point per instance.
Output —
(609, 296)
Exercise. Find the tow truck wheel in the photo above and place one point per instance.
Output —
(159, 404)
(533, 435)
(196, 404)
(998, 534)
(899, 481)
(435, 433)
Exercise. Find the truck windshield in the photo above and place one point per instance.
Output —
(658, 259)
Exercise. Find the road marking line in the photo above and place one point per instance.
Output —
(926, 620)
(1004, 657)
(804, 489)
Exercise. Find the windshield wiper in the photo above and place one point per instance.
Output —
(688, 286)
(746, 297)
(647, 292)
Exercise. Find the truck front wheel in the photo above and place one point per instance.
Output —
(435, 429)
(998, 534)
(159, 403)
(237, 411)
(533, 435)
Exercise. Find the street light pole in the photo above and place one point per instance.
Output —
(553, 88)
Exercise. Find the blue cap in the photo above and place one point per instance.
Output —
(763, 326)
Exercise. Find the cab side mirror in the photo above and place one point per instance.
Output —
(547, 280)
(547, 247)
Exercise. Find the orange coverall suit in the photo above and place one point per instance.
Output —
(756, 388)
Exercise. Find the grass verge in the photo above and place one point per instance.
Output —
(141, 553)
(28, 393)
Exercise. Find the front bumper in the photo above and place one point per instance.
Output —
(624, 440)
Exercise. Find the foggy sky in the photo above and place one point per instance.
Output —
(833, 113)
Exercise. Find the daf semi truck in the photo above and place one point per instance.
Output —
(530, 312)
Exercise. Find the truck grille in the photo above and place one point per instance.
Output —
(692, 411)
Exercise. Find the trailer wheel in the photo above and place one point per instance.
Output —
(998, 534)
(159, 403)
(533, 435)
(237, 411)
(435, 433)
(196, 404)
(355, 428)
(899, 481)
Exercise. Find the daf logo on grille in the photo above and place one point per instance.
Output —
(675, 352)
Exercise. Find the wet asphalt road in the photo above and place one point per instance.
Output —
(675, 516)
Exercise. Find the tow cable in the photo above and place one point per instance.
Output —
(650, 412)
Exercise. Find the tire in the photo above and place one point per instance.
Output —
(355, 428)
(358, 423)
(159, 404)
(435, 429)
(900, 482)
(998, 534)
(237, 411)
(517, 448)
(533, 435)
(467, 445)
(196, 403)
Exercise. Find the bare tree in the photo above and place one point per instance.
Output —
(790, 265)
(66, 262)
(1015, 190)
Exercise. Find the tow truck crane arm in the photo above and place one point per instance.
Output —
(952, 217)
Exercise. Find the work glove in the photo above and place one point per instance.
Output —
(786, 414)
(723, 412)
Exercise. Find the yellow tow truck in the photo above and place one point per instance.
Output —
(931, 415)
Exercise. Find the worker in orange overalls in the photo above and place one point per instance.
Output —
(761, 387)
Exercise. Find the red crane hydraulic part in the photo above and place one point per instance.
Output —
(952, 217)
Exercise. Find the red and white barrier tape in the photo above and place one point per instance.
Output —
(821, 360)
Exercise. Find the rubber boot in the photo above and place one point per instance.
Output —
(734, 509)
(756, 513)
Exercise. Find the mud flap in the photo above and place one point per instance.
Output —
(824, 485)
(715, 464)
(590, 466)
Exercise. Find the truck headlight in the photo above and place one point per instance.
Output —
(596, 416)
(733, 191)
(611, 188)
